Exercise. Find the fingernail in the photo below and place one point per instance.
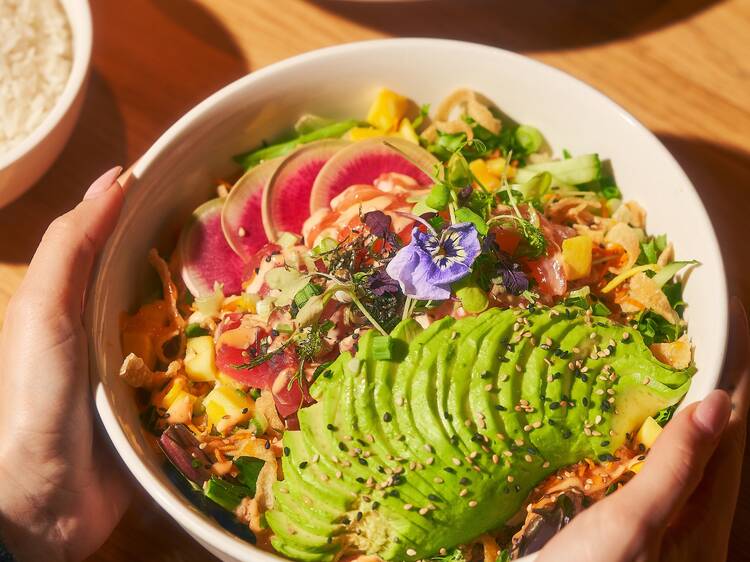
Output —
(712, 414)
(105, 181)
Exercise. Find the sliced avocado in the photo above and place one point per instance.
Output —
(585, 384)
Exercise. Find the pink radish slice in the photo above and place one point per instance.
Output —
(364, 161)
(286, 199)
(241, 219)
(205, 255)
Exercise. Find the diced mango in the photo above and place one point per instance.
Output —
(140, 344)
(637, 467)
(496, 166)
(576, 253)
(363, 133)
(387, 110)
(406, 130)
(175, 388)
(200, 359)
(483, 175)
(226, 407)
(648, 433)
(181, 410)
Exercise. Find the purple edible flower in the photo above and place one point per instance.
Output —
(380, 283)
(427, 266)
(514, 280)
(378, 222)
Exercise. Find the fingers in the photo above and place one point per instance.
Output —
(676, 463)
(711, 508)
(738, 360)
(59, 271)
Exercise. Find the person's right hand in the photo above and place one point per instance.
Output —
(681, 505)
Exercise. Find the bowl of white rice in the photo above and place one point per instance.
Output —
(45, 51)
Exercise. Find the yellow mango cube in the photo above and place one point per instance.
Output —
(363, 133)
(496, 166)
(181, 410)
(483, 175)
(175, 388)
(387, 110)
(406, 130)
(648, 433)
(200, 359)
(140, 344)
(227, 407)
(576, 253)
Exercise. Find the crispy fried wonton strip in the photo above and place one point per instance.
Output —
(170, 297)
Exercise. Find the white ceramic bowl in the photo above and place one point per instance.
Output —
(25, 163)
(179, 170)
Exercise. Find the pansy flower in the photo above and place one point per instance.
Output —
(426, 267)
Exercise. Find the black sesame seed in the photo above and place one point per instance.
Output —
(267, 445)
(449, 470)
(566, 434)
(342, 447)
(464, 481)
(362, 461)
(433, 497)
(387, 417)
(375, 504)
(330, 427)
(381, 470)
(486, 375)
(286, 451)
(359, 516)
(585, 401)
(554, 405)
(303, 465)
(360, 480)
(605, 443)
(500, 408)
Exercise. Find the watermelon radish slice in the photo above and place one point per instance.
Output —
(364, 161)
(241, 219)
(205, 255)
(286, 198)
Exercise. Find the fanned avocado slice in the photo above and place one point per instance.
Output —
(468, 419)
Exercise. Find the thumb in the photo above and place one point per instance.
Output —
(58, 273)
(675, 465)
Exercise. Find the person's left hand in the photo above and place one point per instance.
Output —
(61, 493)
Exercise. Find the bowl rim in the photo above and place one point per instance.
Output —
(78, 15)
(210, 534)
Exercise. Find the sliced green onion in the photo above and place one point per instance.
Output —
(195, 330)
(668, 271)
(326, 245)
(305, 294)
(600, 309)
(284, 328)
(529, 138)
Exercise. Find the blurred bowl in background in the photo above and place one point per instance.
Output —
(25, 162)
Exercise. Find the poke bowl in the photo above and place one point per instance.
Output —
(374, 300)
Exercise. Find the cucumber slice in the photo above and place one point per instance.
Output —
(573, 171)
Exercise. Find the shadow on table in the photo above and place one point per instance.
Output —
(529, 25)
(720, 175)
(97, 140)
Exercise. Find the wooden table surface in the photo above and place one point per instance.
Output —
(682, 67)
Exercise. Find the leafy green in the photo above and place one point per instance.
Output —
(666, 273)
(424, 111)
(533, 244)
(464, 214)
(439, 196)
(224, 493)
(663, 416)
(249, 468)
(656, 329)
(651, 249)
(503, 556)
